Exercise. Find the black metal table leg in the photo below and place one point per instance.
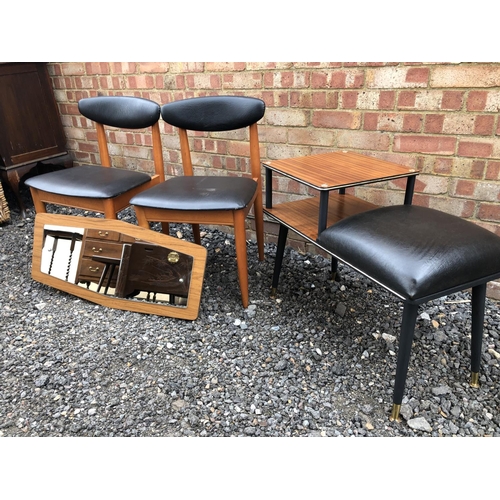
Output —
(410, 186)
(323, 210)
(279, 258)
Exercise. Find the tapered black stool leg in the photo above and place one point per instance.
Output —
(478, 302)
(404, 350)
(279, 258)
(334, 269)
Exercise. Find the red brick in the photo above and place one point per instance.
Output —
(481, 149)
(387, 99)
(483, 125)
(493, 171)
(477, 100)
(417, 75)
(407, 99)
(452, 100)
(349, 99)
(98, 68)
(336, 119)
(372, 141)
(412, 123)
(477, 169)
(425, 144)
(319, 80)
(434, 124)
(489, 212)
(370, 121)
(443, 166)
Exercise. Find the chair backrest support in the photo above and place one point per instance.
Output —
(126, 112)
(215, 114)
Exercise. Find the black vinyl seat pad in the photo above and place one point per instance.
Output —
(89, 181)
(198, 193)
(414, 251)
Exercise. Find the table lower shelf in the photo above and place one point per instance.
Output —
(302, 216)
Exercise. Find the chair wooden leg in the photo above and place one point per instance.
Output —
(404, 350)
(40, 206)
(478, 302)
(196, 233)
(110, 210)
(259, 225)
(141, 217)
(165, 228)
(241, 254)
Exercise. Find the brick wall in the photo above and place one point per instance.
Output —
(441, 118)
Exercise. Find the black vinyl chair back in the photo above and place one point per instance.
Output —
(120, 111)
(214, 113)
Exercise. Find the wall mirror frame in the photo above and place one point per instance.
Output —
(140, 270)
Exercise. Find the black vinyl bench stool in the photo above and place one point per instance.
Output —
(418, 254)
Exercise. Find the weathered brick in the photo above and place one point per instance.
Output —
(70, 69)
(373, 141)
(336, 119)
(287, 117)
(476, 100)
(475, 148)
(315, 137)
(97, 68)
(493, 171)
(452, 100)
(154, 67)
(394, 78)
(475, 190)
(489, 212)
(242, 81)
(433, 124)
(466, 76)
(425, 144)
(203, 81)
(483, 125)
(123, 68)
(387, 99)
(458, 124)
(412, 123)
(349, 100)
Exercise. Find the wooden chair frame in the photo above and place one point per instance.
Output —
(234, 218)
(108, 206)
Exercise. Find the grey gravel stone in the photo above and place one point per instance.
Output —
(317, 361)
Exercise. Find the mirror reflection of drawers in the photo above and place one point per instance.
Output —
(103, 244)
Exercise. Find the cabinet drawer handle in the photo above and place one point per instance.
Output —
(103, 233)
(93, 269)
(96, 250)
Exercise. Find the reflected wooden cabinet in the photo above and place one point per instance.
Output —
(30, 125)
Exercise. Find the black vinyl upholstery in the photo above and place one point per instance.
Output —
(199, 193)
(120, 111)
(96, 181)
(214, 113)
(89, 181)
(414, 251)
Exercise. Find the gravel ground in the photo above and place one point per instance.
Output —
(318, 361)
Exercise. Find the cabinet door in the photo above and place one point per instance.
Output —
(30, 126)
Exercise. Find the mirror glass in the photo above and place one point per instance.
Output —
(120, 265)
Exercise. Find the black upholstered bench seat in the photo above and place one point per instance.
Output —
(419, 254)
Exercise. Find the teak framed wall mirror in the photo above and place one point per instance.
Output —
(119, 265)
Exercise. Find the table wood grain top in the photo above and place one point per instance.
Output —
(339, 169)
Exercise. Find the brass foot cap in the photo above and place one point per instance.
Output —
(474, 380)
(274, 291)
(395, 413)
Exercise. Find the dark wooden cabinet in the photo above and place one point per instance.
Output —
(30, 126)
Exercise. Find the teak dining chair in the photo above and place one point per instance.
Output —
(103, 188)
(211, 200)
